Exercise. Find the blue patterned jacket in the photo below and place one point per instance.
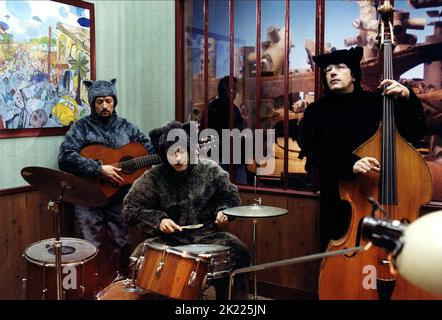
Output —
(114, 132)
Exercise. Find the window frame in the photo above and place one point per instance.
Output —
(180, 76)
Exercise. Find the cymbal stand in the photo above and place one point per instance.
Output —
(55, 207)
(135, 264)
(258, 201)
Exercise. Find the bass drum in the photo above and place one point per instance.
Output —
(78, 266)
(123, 289)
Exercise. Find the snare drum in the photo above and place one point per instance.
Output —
(78, 267)
(218, 257)
(171, 272)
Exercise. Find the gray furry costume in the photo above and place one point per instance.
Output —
(114, 132)
(190, 197)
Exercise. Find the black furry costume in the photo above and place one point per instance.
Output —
(335, 125)
(190, 197)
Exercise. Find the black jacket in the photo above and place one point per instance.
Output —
(336, 125)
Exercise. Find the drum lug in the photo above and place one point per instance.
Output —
(43, 293)
(192, 279)
(204, 284)
(193, 274)
(23, 284)
(158, 270)
(139, 263)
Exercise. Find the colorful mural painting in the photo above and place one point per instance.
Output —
(45, 53)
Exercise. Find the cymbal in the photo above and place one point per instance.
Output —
(76, 190)
(255, 211)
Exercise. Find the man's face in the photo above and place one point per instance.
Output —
(339, 78)
(178, 158)
(104, 106)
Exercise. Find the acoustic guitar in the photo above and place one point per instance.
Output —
(133, 159)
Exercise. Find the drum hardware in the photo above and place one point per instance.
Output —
(54, 206)
(122, 289)
(193, 274)
(287, 262)
(45, 290)
(139, 261)
(68, 188)
(82, 288)
(192, 279)
(158, 270)
(64, 249)
(23, 284)
(255, 211)
(160, 264)
(130, 285)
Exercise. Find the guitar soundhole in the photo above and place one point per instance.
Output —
(127, 168)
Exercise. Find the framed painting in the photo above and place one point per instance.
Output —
(47, 48)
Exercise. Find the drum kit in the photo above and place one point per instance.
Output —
(254, 212)
(161, 271)
(46, 260)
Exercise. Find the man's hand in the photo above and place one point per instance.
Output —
(111, 174)
(366, 164)
(221, 218)
(394, 88)
(168, 226)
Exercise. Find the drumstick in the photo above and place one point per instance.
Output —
(192, 226)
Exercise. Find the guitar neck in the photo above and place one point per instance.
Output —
(140, 162)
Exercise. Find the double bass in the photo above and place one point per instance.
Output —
(402, 186)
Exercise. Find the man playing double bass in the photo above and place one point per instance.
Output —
(338, 123)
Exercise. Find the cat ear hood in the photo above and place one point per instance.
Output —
(159, 140)
(101, 88)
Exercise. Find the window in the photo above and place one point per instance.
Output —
(233, 31)
(239, 33)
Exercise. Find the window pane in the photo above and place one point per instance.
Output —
(193, 33)
(272, 90)
(418, 29)
(417, 32)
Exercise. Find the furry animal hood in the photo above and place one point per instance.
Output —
(100, 88)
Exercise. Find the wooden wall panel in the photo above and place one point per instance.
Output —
(25, 220)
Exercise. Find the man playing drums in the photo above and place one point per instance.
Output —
(178, 193)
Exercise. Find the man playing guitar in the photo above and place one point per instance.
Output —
(102, 127)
